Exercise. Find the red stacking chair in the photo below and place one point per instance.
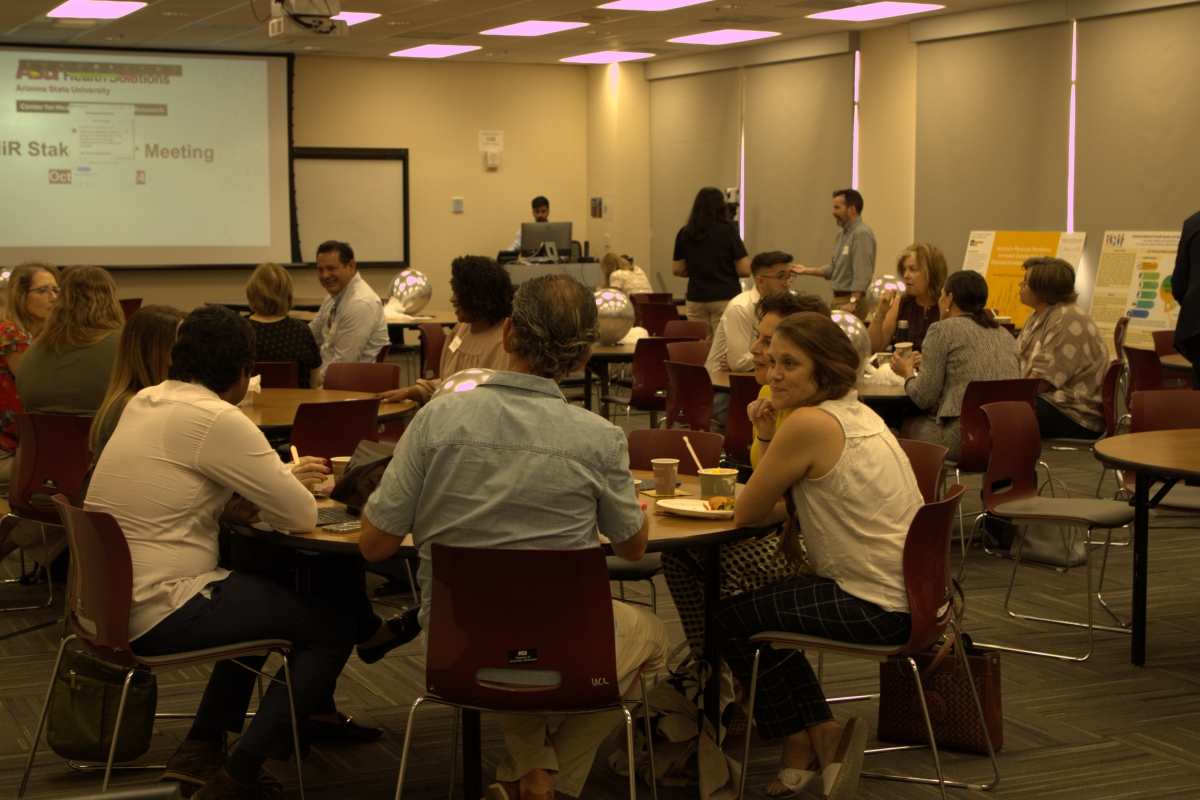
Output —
(689, 395)
(381, 356)
(686, 329)
(363, 377)
(433, 339)
(326, 430)
(1108, 395)
(54, 457)
(648, 391)
(278, 374)
(1145, 372)
(645, 445)
(689, 352)
(1164, 345)
(926, 459)
(130, 307)
(103, 584)
(929, 587)
(488, 603)
(655, 317)
(743, 389)
(1119, 331)
(637, 298)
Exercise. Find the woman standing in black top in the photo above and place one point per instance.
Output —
(278, 337)
(710, 254)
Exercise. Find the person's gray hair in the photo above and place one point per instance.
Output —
(554, 323)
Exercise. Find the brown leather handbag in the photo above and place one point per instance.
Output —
(947, 695)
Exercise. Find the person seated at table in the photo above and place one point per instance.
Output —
(730, 350)
(481, 293)
(278, 337)
(350, 327)
(67, 368)
(828, 448)
(484, 468)
(620, 274)
(182, 459)
(966, 345)
(923, 268)
(1062, 347)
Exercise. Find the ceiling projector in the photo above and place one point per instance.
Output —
(306, 18)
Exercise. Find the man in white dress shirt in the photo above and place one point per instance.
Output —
(541, 213)
(350, 327)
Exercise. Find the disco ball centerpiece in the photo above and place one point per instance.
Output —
(463, 381)
(410, 291)
(881, 285)
(616, 315)
(856, 330)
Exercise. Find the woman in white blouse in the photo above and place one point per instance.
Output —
(828, 448)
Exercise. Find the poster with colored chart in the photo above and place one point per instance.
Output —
(1133, 280)
(999, 256)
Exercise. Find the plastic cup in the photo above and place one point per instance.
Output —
(717, 482)
(338, 465)
(665, 470)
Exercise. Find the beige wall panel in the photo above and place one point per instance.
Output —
(992, 124)
(695, 122)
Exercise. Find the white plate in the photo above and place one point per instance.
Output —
(693, 508)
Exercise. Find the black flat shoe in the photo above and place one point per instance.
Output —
(405, 627)
(345, 731)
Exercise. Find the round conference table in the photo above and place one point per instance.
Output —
(867, 392)
(274, 410)
(1168, 456)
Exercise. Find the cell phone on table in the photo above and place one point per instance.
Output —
(343, 527)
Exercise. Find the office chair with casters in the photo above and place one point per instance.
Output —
(686, 329)
(368, 377)
(689, 396)
(488, 603)
(326, 430)
(929, 587)
(278, 374)
(103, 584)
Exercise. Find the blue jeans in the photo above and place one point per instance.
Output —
(244, 608)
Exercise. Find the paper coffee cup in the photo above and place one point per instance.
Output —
(717, 482)
(904, 349)
(665, 470)
(338, 465)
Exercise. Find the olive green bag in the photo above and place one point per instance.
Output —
(83, 709)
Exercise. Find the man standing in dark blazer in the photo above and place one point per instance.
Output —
(1187, 293)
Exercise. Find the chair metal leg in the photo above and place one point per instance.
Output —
(649, 737)
(962, 567)
(49, 584)
(287, 682)
(412, 713)
(629, 745)
(749, 724)
(454, 752)
(112, 747)
(653, 598)
(937, 761)
(621, 587)
(37, 735)
(412, 583)
(1100, 584)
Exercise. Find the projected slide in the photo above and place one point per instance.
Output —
(120, 150)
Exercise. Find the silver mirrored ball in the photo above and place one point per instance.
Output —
(410, 291)
(616, 315)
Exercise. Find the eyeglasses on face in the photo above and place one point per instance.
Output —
(45, 291)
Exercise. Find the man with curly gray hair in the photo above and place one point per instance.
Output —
(511, 464)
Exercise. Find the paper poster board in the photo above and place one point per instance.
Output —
(1134, 280)
(998, 256)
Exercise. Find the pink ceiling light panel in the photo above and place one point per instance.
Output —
(355, 17)
(534, 28)
(873, 11)
(434, 51)
(651, 5)
(724, 36)
(94, 9)
(605, 57)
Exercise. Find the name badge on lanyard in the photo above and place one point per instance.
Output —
(846, 250)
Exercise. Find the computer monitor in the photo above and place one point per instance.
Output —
(533, 234)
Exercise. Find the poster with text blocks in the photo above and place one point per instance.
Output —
(998, 256)
(1134, 280)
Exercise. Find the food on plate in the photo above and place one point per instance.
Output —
(720, 503)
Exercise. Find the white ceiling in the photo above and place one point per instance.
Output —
(231, 26)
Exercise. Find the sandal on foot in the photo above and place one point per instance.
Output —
(503, 790)
(796, 779)
(841, 775)
(538, 790)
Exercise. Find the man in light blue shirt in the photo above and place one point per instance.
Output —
(350, 327)
(512, 464)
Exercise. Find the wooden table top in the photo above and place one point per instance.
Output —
(666, 531)
(612, 352)
(1163, 454)
(443, 318)
(277, 407)
(1176, 361)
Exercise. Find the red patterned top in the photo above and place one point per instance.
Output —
(13, 339)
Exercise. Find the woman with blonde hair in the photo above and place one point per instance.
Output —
(143, 358)
(278, 337)
(623, 276)
(66, 370)
(824, 452)
(923, 268)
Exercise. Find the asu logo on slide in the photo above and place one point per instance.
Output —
(60, 176)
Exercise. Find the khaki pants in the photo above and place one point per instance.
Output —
(570, 750)
(860, 310)
(707, 312)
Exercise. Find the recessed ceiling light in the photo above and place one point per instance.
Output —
(434, 51)
(355, 17)
(651, 5)
(872, 11)
(724, 36)
(94, 9)
(605, 57)
(533, 27)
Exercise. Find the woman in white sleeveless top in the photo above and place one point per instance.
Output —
(855, 495)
